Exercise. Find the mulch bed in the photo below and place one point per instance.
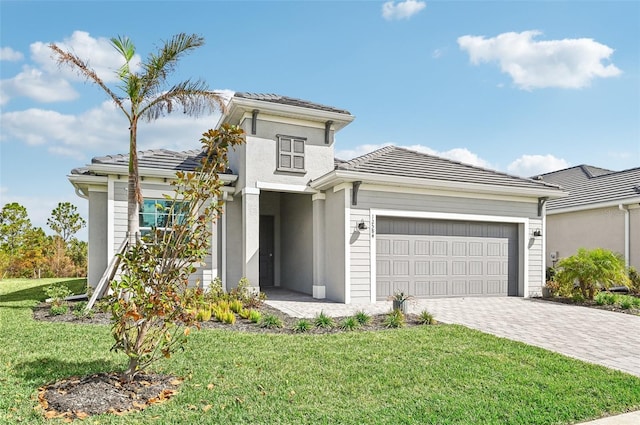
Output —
(592, 304)
(78, 398)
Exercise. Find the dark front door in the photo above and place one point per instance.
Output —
(266, 250)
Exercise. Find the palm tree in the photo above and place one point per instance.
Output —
(145, 95)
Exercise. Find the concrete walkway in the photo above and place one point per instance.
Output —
(605, 338)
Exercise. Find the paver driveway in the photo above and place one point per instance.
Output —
(596, 336)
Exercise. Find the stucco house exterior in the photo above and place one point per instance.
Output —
(601, 211)
(348, 231)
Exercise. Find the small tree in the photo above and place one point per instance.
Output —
(149, 315)
(589, 269)
(65, 221)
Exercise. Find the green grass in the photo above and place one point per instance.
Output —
(427, 374)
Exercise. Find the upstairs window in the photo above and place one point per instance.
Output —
(291, 154)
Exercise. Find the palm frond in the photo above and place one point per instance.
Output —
(194, 97)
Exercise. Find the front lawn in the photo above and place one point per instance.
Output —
(433, 374)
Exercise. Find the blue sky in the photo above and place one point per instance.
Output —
(522, 87)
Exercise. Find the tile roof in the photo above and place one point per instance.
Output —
(592, 185)
(285, 100)
(396, 161)
(162, 159)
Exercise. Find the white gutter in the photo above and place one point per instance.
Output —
(149, 172)
(609, 204)
(340, 176)
(627, 236)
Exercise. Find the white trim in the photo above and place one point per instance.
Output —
(319, 292)
(543, 278)
(609, 204)
(320, 196)
(284, 187)
(347, 248)
(110, 219)
(147, 172)
(523, 241)
(342, 186)
(250, 191)
(93, 188)
(373, 250)
(223, 244)
(627, 235)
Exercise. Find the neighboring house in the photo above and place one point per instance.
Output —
(601, 211)
(349, 231)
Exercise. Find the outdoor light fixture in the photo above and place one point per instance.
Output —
(362, 225)
(537, 232)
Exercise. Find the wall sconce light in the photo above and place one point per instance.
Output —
(362, 225)
(537, 232)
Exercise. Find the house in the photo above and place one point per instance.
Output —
(349, 231)
(601, 211)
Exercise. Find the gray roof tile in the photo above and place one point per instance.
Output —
(592, 185)
(396, 161)
(285, 100)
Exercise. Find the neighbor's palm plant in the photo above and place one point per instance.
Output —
(590, 268)
(145, 94)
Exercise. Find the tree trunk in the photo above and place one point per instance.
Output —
(134, 195)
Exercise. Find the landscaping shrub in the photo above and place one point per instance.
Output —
(349, 324)
(324, 321)
(254, 316)
(395, 319)
(362, 318)
(302, 325)
(634, 281)
(426, 318)
(589, 270)
(271, 321)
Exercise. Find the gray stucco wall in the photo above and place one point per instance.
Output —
(597, 228)
(335, 245)
(297, 242)
(234, 242)
(98, 236)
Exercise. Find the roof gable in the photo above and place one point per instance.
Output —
(291, 101)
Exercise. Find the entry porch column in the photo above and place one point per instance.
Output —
(319, 289)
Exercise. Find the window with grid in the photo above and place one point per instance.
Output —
(291, 154)
(161, 214)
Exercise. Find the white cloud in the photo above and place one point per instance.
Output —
(97, 52)
(401, 10)
(566, 63)
(39, 86)
(457, 154)
(8, 54)
(532, 165)
(101, 131)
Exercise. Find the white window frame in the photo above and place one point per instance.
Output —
(291, 153)
(146, 229)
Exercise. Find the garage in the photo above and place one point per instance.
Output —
(445, 258)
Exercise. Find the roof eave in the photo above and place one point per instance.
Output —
(594, 206)
(149, 172)
(237, 106)
(343, 176)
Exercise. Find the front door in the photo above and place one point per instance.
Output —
(266, 250)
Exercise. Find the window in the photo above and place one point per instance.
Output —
(290, 154)
(161, 214)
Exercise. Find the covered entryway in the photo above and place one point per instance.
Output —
(441, 258)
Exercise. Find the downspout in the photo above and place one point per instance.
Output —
(223, 242)
(627, 237)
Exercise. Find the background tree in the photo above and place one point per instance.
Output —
(147, 94)
(590, 270)
(65, 221)
(14, 224)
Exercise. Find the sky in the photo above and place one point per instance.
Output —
(520, 87)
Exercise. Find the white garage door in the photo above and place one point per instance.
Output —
(431, 258)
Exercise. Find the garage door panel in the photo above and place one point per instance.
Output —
(441, 264)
